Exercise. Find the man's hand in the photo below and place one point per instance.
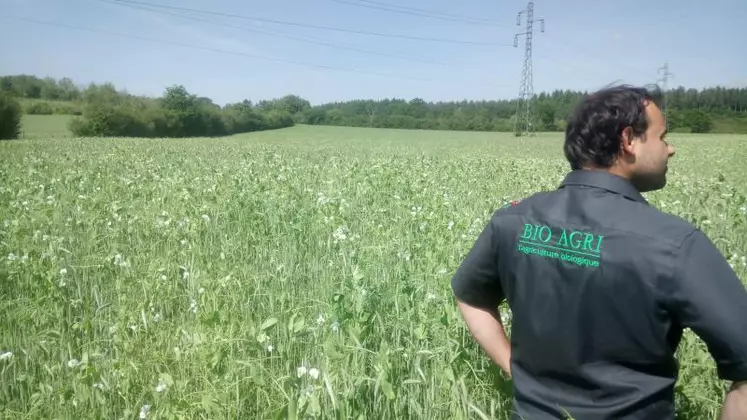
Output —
(735, 405)
(487, 329)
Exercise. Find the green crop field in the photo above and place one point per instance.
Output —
(285, 274)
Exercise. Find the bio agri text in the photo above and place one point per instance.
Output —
(569, 240)
(569, 245)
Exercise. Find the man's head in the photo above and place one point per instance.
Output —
(620, 129)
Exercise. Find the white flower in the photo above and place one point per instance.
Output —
(314, 373)
(192, 306)
(6, 355)
(301, 371)
(335, 327)
(320, 320)
(161, 387)
(144, 411)
(270, 348)
(63, 271)
(451, 225)
(340, 234)
(72, 363)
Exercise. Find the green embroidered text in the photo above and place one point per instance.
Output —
(577, 247)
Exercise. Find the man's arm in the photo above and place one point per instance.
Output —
(477, 288)
(486, 327)
(707, 296)
(735, 405)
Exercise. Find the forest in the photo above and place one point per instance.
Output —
(103, 110)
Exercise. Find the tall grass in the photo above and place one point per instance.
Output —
(287, 274)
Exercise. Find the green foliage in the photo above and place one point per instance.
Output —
(183, 114)
(177, 113)
(700, 122)
(25, 86)
(699, 108)
(285, 275)
(10, 117)
(39, 108)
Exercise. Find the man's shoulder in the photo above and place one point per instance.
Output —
(519, 204)
(661, 224)
(640, 219)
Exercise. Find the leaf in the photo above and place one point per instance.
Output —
(313, 405)
(386, 387)
(357, 275)
(298, 325)
(167, 379)
(209, 403)
(268, 323)
(330, 349)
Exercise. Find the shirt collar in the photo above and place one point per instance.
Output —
(604, 180)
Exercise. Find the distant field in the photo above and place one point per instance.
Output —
(45, 126)
(299, 270)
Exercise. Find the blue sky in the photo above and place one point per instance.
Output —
(586, 44)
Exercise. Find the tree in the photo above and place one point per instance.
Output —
(10, 117)
(699, 121)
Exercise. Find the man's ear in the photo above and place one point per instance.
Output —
(627, 141)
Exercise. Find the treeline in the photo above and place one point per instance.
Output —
(687, 109)
(103, 111)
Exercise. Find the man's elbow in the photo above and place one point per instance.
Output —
(735, 405)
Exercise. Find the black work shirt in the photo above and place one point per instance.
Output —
(601, 285)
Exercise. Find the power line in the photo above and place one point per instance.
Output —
(218, 50)
(311, 40)
(417, 12)
(431, 12)
(306, 25)
(525, 104)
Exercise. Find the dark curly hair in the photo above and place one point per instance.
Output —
(593, 133)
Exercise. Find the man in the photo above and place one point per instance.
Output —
(600, 283)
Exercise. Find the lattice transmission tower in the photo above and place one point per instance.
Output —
(525, 104)
(664, 79)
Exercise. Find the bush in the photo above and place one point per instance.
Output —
(108, 121)
(39, 108)
(66, 109)
(10, 117)
(178, 113)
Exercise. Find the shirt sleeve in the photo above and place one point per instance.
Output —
(476, 281)
(708, 297)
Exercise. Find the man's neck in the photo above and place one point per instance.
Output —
(614, 170)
